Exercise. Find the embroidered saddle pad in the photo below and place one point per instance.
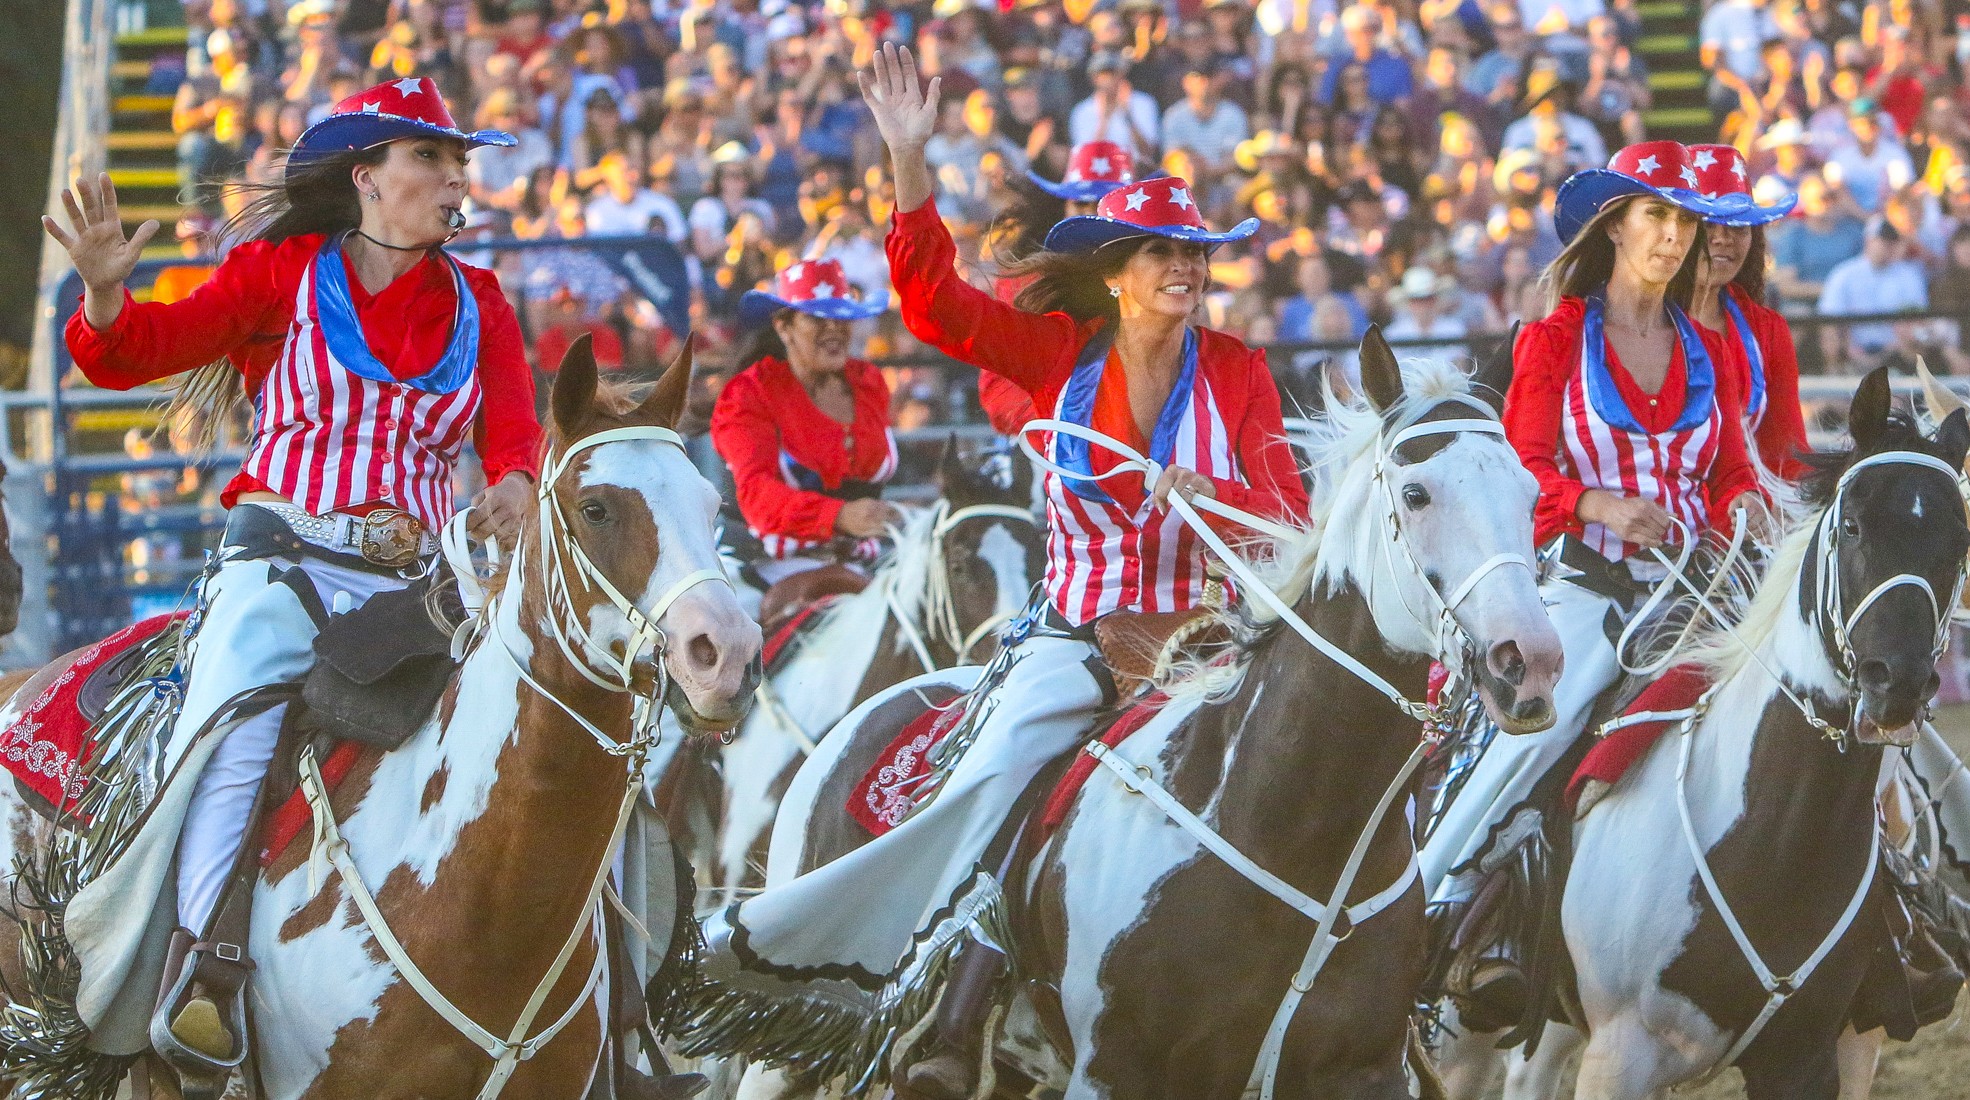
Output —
(887, 792)
(53, 738)
(1613, 755)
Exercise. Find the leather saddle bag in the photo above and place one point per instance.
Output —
(381, 669)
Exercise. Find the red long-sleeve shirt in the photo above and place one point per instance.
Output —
(1545, 358)
(763, 411)
(1781, 435)
(243, 314)
(1037, 353)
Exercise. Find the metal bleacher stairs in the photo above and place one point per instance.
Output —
(1676, 78)
(143, 152)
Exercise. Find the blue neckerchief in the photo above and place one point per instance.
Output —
(1077, 407)
(1700, 378)
(1754, 402)
(335, 312)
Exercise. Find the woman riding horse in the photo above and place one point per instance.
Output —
(805, 430)
(1093, 170)
(1102, 337)
(1729, 300)
(1628, 414)
(371, 355)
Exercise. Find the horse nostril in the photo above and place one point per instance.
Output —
(703, 652)
(1875, 673)
(1506, 663)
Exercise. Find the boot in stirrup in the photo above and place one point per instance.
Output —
(950, 1072)
(199, 1026)
(1486, 979)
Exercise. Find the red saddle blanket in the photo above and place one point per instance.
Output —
(1613, 755)
(285, 824)
(47, 745)
(1069, 787)
(786, 632)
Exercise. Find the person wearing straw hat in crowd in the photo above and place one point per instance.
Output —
(1730, 300)
(356, 336)
(804, 428)
(1104, 341)
(1093, 170)
(1617, 369)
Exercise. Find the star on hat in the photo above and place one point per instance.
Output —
(1179, 197)
(1704, 159)
(1648, 165)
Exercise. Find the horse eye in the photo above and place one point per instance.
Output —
(594, 511)
(1850, 527)
(1415, 496)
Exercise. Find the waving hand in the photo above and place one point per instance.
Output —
(906, 116)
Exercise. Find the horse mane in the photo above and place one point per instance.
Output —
(1723, 651)
(903, 575)
(1341, 441)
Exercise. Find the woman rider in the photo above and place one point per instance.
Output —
(1101, 337)
(1628, 414)
(371, 356)
(1093, 170)
(1729, 300)
(805, 431)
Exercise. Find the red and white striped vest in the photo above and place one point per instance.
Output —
(1604, 447)
(1102, 558)
(328, 439)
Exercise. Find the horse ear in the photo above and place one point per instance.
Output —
(1954, 437)
(573, 400)
(1941, 400)
(1868, 415)
(1381, 377)
(951, 476)
(1494, 376)
(666, 402)
(1022, 476)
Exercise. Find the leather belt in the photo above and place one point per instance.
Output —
(389, 537)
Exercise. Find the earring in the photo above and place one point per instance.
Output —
(370, 195)
(1114, 292)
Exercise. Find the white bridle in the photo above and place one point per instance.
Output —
(1334, 920)
(940, 609)
(562, 557)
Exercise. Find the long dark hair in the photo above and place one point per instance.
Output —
(761, 343)
(317, 198)
(1584, 266)
(1751, 276)
(1021, 228)
(1073, 282)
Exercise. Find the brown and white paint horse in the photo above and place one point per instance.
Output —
(959, 570)
(1785, 822)
(480, 835)
(1168, 963)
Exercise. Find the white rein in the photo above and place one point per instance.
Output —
(1328, 918)
(558, 552)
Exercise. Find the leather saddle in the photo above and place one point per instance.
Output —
(1134, 643)
(789, 595)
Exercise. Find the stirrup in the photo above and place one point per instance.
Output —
(189, 1024)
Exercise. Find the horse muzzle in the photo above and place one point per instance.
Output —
(1516, 679)
(1892, 697)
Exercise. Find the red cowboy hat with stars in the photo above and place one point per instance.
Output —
(1724, 178)
(1160, 207)
(392, 111)
(1659, 168)
(819, 287)
(1093, 170)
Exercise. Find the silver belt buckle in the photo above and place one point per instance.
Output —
(390, 537)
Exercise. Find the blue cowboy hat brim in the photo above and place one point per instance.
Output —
(1088, 232)
(757, 307)
(1743, 210)
(364, 130)
(1588, 191)
(1076, 191)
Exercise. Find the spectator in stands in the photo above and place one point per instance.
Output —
(1732, 38)
(499, 175)
(729, 196)
(1496, 76)
(567, 317)
(1878, 281)
(619, 204)
(1387, 76)
(317, 56)
(1809, 245)
(1204, 124)
(1617, 89)
(1896, 84)
(211, 115)
(1442, 92)
(583, 274)
(1949, 297)
(966, 133)
(1115, 111)
(1024, 121)
(1417, 304)
(1871, 163)
(1299, 314)
(1549, 124)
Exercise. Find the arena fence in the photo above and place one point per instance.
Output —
(112, 518)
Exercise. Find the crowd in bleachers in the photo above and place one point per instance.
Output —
(1401, 155)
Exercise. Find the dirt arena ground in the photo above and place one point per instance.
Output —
(1936, 1065)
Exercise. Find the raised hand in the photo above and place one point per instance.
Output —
(906, 113)
(102, 256)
